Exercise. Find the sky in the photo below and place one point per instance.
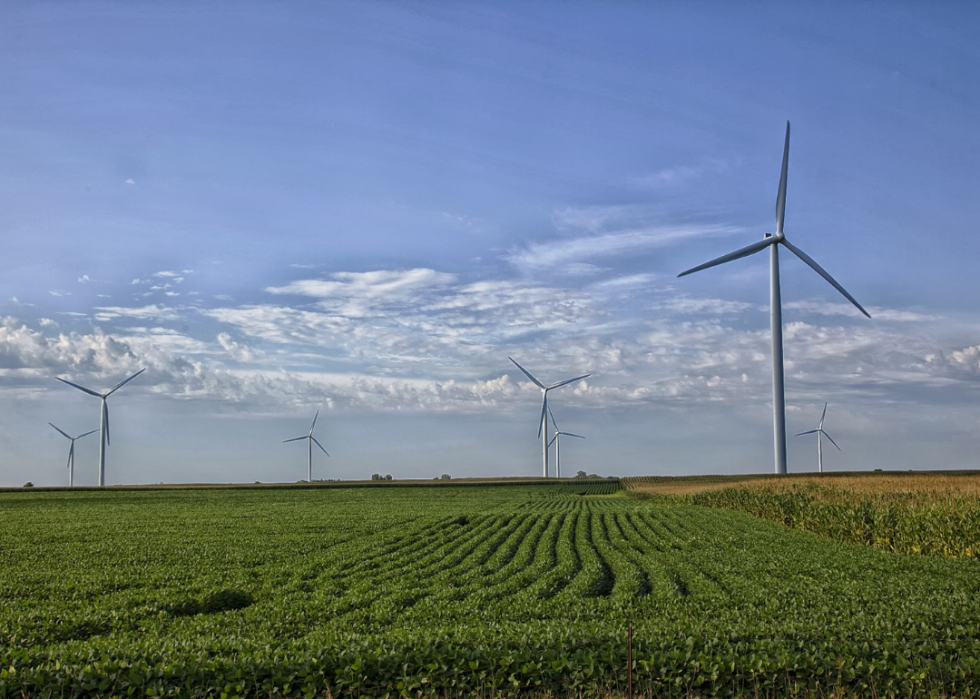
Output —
(365, 208)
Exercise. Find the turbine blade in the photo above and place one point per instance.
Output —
(527, 373)
(105, 419)
(123, 383)
(831, 440)
(319, 445)
(738, 254)
(296, 439)
(314, 420)
(86, 434)
(800, 434)
(71, 453)
(824, 415)
(553, 440)
(781, 194)
(568, 381)
(553, 421)
(543, 421)
(571, 434)
(823, 273)
(59, 429)
(80, 388)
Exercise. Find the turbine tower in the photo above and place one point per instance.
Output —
(71, 452)
(773, 241)
(556, 440)
(820, 435)
(105, 416)
(311, 440)
(543, 422)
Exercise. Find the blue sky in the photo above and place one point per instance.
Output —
(366, 207)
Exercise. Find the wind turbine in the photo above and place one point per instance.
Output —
(311, 440)
(105, 416)
(772, 241)
(71, 452)
(556, 440)
(543, 423)
(820, 434)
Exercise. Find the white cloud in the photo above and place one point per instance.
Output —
(83, 279)
(237, 351)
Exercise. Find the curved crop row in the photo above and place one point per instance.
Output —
(595, 578)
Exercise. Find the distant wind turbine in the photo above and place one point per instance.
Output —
(71, 452)
(772, 241)
(543, 421)
(105, 416)
(556, 440)
(311, 440)
(820, 434)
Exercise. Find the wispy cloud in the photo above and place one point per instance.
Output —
(151, 312)
(695, 307)
(369, 285)
(847, 309)
(588, 249)
(358, 294)
(678, 175)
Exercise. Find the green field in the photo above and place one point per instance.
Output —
(461, 591)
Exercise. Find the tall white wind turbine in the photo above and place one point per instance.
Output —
(105, 416)
(311, 440)
(71, 451)
(543, 421)
(821, 433)
(773, 241)
(556, 440)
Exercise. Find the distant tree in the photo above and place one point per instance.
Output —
(375, 476)
(28, 484)
(445, 476)
(388, 477)
(581, 474)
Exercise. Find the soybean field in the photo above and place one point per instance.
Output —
(524, 590)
